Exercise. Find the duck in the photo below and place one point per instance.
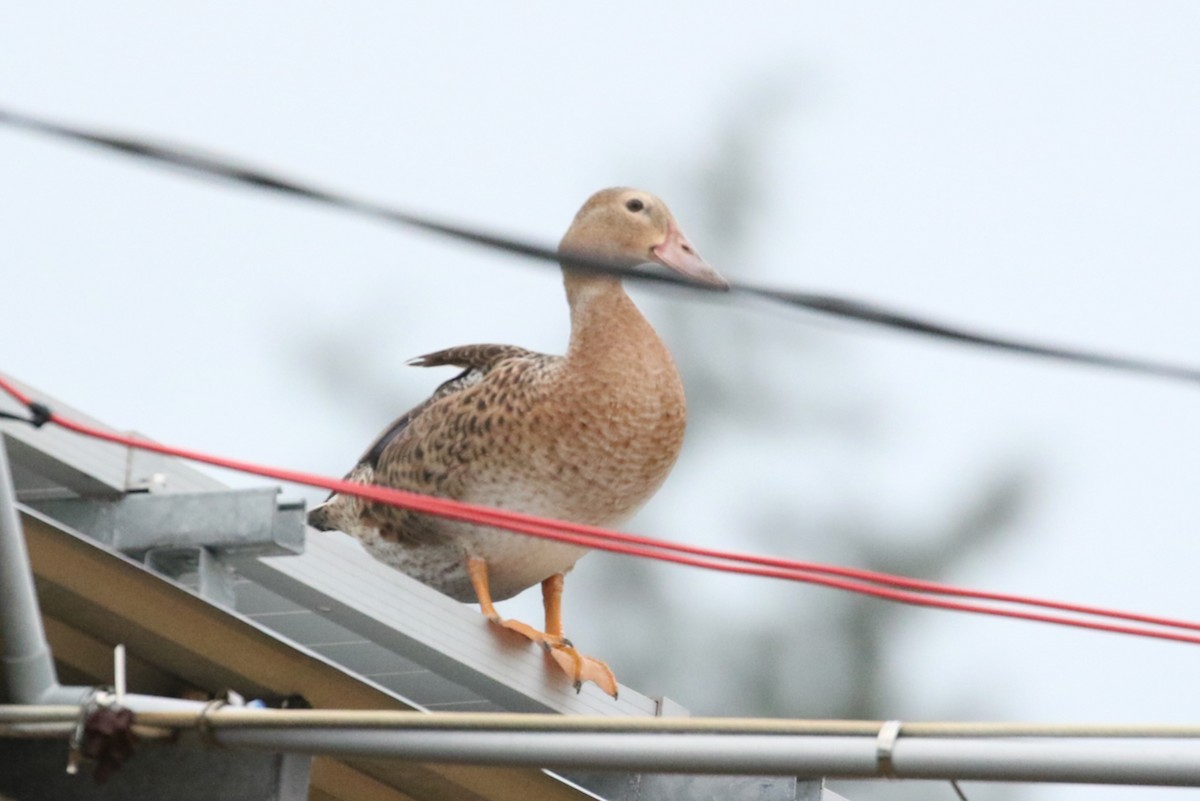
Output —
(587, 437)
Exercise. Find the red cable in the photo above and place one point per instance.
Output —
(910, 591)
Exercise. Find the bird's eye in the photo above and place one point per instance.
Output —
(635, 204)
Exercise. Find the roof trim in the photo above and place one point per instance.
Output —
(102, 596)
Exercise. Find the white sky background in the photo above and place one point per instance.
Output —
(1024, 167)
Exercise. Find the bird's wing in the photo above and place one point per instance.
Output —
(429, 461)
(476, 361)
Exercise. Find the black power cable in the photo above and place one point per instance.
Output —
(226, 169)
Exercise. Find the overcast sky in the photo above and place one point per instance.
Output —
(1024, 167)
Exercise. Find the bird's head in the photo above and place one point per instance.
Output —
(630, 227)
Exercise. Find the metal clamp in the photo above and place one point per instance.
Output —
(204, 726)
(885, 745)
(97, 698)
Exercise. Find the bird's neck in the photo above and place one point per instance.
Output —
(606, 327)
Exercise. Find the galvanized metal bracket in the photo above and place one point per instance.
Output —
(187, 536)
(198, 569)
(247, 522)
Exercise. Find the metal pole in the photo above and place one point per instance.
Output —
(1093, 755)
(28, 666)
(1091, 761)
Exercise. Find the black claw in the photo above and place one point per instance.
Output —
(567, 643)
(547, 646)
(578, 687)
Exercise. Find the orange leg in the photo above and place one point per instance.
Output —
(477, 569)
(552, 589)
(578, 667)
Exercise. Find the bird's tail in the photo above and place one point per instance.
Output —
(319, 516)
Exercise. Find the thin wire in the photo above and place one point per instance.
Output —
(878, 585)
(224, 168)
